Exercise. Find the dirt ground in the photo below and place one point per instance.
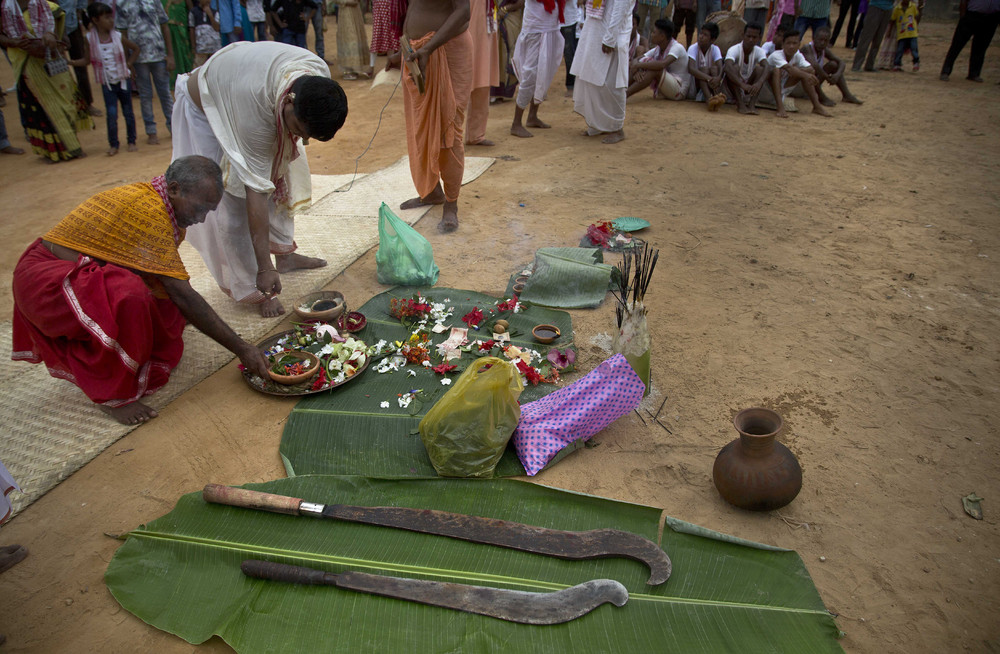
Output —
(841, 271)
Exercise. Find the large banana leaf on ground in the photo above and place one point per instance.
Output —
(347, 431)
(181, 573)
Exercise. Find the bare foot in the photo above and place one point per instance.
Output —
(152, 139)
(520, 132)
(112, 152)
(614, 137)
(11, 555)
(435, 197)
(782, 114)
(130, 414)
(295, 261)
(486, 143)
(753, 111)
(449, 219)
(852, 99)
(10, 149)
(132, 147)
(743, 110)
(271, 308)
(822, 112)
(827, 101)
(535, 122)
(568, 93)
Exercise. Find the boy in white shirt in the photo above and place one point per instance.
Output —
(746, 70)
(788, 67)
(536, 58)
(828, 67)
(705, 68)
(664, 68)
(779, 37)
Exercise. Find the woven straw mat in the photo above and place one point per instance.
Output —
(42, 447)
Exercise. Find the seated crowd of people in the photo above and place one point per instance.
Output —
(747, 74)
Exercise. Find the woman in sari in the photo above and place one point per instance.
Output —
(352, 41)
(177, 12)
(509, 15)
(52, 110)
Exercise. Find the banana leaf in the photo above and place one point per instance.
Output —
(181, 573)
(569, 278)
(347, 432)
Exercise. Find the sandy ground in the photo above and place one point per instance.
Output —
(843, 272)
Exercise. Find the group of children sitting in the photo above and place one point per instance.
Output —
(749, 74)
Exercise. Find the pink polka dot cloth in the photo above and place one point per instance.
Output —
(575, 413)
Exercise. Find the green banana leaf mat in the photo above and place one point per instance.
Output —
(181, 573)
(347, 432)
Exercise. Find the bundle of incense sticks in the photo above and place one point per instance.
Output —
(634, 274)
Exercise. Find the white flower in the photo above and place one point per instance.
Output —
(445, 382)
(384, 405)
(404, 400)
(427, 364)
(327, 349)
(413, 373)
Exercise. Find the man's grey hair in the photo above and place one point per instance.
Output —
(189, 172)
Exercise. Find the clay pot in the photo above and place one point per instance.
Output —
(310, 360)
(545, 333)
(756, 472)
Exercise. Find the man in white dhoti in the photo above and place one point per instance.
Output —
(601, 68)
(537, 53)
(247, 109)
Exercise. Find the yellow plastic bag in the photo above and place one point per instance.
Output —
(466, 432)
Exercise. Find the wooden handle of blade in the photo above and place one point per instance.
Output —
(291, 574)
(251, 499)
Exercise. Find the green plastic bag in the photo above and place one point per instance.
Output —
(404, 256)
(466, 432)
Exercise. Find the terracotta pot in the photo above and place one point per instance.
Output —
(756, 472)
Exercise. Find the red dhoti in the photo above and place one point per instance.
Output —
(98, 326)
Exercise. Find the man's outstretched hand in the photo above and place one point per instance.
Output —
(254, 361)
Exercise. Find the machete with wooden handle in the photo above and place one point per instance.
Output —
(574, 545)
(511, 605)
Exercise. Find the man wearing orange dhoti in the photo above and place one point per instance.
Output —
(485, 68)
(435, 119)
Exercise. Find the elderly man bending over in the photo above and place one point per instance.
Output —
(103, 297)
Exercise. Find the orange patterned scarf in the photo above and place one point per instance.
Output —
(130, 226)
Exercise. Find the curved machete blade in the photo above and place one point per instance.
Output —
(511, 605)
(573, 545)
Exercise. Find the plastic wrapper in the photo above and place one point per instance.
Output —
(404, 257)
(466, 432)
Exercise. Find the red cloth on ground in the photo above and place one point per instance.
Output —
(98, 326)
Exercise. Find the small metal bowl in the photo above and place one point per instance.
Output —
(288, 380)
(322, 305)
(517, 288)
(545, 333)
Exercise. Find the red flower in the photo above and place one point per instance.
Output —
(507, 305)
(473, 318)
(444, 368)
(529, 373)
(321, 380)
(487, 346)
